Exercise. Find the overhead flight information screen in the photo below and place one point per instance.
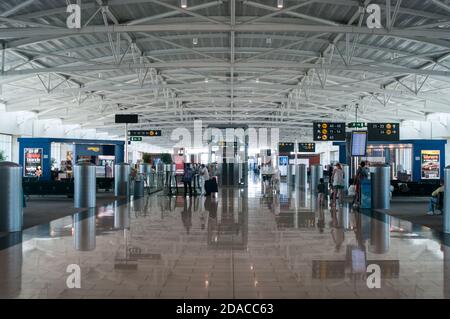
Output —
(327, 131)
(284, 148)
(359, 143)
(306, 147)
(379, 132)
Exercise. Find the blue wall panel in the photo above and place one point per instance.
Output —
(45, 144)
(418, 147)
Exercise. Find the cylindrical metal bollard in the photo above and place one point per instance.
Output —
(446, 252)
(146, 170)
(11, 197)
(381, 183)
(159, 169)
(138, 188)
(316, 175)
(122, 180)
(290, 178)
(85, 185)
(346, 170)
(301, 177)
(446, 212)
(84, 230)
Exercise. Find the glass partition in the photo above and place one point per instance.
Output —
(398, 156)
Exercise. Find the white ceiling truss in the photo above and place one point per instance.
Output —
(226, 61)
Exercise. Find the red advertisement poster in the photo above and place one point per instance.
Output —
(33, 162)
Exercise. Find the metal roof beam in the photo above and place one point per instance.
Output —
(8, 33)
(222, 65)
(17, 8)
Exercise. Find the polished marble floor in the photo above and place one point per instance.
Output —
(245, 243)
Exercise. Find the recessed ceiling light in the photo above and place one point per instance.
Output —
(184, 4)
(195, 41)
(280, 4)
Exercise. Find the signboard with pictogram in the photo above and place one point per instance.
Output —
(383, 132)
(146, 133)
(328, 131)
(307, 147)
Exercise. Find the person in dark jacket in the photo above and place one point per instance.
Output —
(187, 179)
(321, 190)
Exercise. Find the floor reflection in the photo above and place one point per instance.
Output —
(239, 244)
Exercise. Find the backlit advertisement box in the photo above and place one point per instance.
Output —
(33, 162)
(431, 164)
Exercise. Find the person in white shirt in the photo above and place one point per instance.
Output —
(338, 184)
(204, 176)
(276, 178)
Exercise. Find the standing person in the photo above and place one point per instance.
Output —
(204, 175)
(321, 189)
(338, 184)
(108, 171)
(187, 179)
(330, 173)
(330, 180)
(276, 178)
(361, 174)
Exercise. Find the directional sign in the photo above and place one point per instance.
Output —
(284, 148)
(150, 133)
(306, 147)
(136, 139)
(379, 132)
(356, 125)
(327, 131)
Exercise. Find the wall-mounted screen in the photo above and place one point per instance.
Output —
(359, 143)
(126, 118)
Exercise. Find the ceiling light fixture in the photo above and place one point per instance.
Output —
(195, 41)
(206, 80)
(184, 4)
(280, 4)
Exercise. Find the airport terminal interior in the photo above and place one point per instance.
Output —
(224, 149)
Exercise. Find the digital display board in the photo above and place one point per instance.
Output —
(284, 148)
(150, 133)
(359, 143)
(306, 147)
(126, 118)
(327, 131)
(33, 162)
(379, 132)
